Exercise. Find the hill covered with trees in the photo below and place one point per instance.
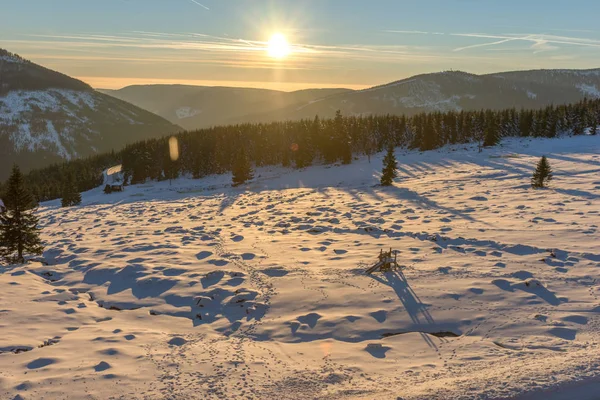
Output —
(48, 117)
(17, 73)
(197, 107)
(302, 143)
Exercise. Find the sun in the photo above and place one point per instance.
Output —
(278, 46)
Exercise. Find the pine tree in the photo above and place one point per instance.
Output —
(212, 150)
(389, 167)
(542, 174)
(242, 169)
(342, 138)
(70, 194)
(491, 134)
(19, 232)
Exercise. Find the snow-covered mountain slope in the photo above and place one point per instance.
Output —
(47, 117)
(195, 290)
(452, 91)
(195, 107)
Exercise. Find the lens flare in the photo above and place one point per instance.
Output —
(174, 148)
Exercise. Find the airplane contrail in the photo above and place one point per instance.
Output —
(201, 5)
(489, 44)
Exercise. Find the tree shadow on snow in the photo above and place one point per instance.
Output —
(426, 203)
(577, 193)
(575, 160)
(132, 277)
(532, 288)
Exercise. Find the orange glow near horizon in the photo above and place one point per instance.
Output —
(107, 82)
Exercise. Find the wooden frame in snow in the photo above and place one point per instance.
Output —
(386, 262)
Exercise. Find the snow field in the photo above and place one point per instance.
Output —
(197, 290)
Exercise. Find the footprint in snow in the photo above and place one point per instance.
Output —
(563, 333)
(576, 319)
(478, 198)
(380, 316)
(177, 341)
(218, 263)
(310, 319)
(102, 366)
(41, 363)
(377, 350)
(109, 352)
(275, 272)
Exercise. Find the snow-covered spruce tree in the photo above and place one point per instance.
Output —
(389, 167)
(19, 232)
(242, 169)
(542, 174)
(70, 194)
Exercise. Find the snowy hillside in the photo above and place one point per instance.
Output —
(452, 91)
(59, 120)
(47, 117)
(195, 290)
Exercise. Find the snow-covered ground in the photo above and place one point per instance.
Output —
(186, 112)
(196, 290)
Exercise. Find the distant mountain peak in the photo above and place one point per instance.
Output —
(450, 90)
(8, 57)
(48, 117)
(17, 73)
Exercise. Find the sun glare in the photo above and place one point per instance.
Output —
(278, 46)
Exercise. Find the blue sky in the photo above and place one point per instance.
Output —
(113, 43)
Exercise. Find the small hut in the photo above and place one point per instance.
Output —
(114, 179)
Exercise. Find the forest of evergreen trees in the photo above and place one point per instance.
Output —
(25, 75)
(302, 143)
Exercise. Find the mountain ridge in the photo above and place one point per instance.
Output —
(195, 107)
(17, 73)
(47, 117)
(430, 92)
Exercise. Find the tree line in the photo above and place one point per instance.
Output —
(19, 230)
(302, 143)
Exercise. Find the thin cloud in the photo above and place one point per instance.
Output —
(233, 52)
(413, 32)
(204, 42)
(200, 4)
(537, 40)
(408, 32)
(542, 46)
(474, 46)
(572, 30)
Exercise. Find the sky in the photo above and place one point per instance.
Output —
(333, 43)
